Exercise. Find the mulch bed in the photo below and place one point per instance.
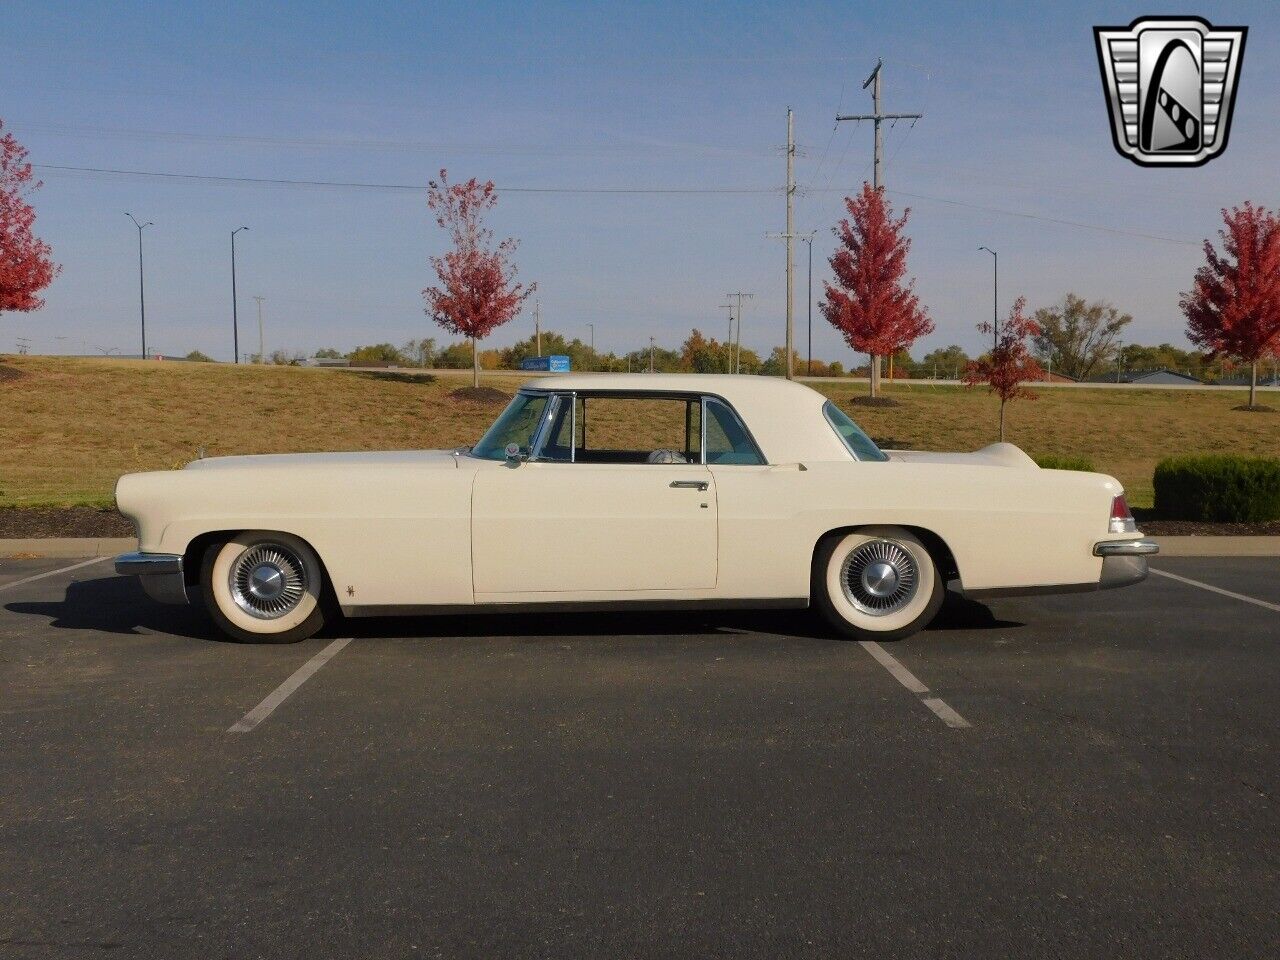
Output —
(21, 522)
(486, 395)
(10, 373)
(875, 402)
(1196, 528)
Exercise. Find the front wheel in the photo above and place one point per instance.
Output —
(264, 587)
(877, 583)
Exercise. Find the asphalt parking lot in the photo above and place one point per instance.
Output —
(1090, 775)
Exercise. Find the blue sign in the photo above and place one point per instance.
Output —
(557, 363)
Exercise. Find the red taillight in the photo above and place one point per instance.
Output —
(1121, 518)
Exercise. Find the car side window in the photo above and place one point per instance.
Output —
(728, 441)
(615, 428)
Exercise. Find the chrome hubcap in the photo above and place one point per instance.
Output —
(267, 581)
(879, 577)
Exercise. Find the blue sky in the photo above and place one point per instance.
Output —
(659, 95)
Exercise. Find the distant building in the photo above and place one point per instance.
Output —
(1053, 376)
(1155, 377)
(326, 362)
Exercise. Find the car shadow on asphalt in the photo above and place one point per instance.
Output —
(118, 605)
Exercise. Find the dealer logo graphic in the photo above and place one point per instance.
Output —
(1170, 84)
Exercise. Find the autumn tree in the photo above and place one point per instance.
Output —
(478, 291)
(25, 264)
(1233, 307)
(1009, 364)
(871, 306)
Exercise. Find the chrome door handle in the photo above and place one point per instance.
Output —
(690, 484)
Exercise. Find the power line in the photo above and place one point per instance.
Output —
(651, 191)
(355, 185)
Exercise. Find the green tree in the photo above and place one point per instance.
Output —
(378, 353)
(700, 355)
(421, 352)
(197, 357)
(456, 356)
(947, 363)
(1078, 338)
(329, 353)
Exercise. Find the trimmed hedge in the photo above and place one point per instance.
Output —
(1220, 488)
(1053, 461)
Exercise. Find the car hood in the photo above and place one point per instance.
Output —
(427, 459)
(995, 455)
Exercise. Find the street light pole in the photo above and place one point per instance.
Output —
(142, 290)
(809, 241)
(995, 296)
(235, 317)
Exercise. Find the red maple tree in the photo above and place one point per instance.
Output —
(25, 264)
(477, 291)
(1233, 308)
(869, 304)
(1009, 364)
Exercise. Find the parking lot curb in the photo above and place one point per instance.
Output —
(67, 546)
(1218, 546)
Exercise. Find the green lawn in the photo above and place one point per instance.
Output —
(70, 426)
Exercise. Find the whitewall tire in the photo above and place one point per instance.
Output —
(876, 583)
(264, 587)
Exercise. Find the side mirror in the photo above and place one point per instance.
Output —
(514, 456)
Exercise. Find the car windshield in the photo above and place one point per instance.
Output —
(518, 425)
(860, 445)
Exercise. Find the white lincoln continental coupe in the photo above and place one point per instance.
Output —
(627, 491)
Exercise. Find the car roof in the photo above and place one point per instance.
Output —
(784, 417)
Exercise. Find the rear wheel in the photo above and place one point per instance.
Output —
(264, 587)
(877, 583)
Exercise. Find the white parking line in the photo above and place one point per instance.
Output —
(1212, 589)
(912, 683)
(281, 693)
(53, 573)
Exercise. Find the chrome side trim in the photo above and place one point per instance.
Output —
(574, 606)
(148, 564)
(1126, 548)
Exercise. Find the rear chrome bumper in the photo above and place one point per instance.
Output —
(1126, 548)
(160, 574)
(1124, 562)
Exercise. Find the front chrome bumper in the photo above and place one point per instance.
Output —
(161, 574)
(1124, 562)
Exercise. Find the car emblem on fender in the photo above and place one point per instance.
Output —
(1170, 84)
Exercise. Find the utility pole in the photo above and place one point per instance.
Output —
(877, 175)
(592, 327)
(738, 362)
(651, 354)
(537, 326)
(729, 343)
(235, 318)
(874, 81)
(24, 346)
(789, 236)
(262, 350)
(142, 291)
(1119, 358)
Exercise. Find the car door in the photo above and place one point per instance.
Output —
(591, 519)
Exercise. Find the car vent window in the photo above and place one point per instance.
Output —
(728, 441)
